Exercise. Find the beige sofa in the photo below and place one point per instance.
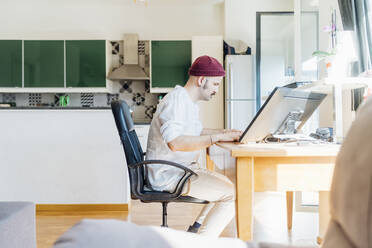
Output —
(351, 208)
(351, 191)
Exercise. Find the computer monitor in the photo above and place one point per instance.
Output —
(282, 103)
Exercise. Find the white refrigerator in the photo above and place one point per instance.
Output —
(240, 91)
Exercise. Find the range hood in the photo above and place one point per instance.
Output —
(130, 70)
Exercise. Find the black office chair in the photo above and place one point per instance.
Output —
(139, 185)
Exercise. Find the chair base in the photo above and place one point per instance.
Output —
(188, 199)
(165, 214)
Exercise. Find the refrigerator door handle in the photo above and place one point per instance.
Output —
(229, 114)
(231, 78)
(228, 80)
(231, 94)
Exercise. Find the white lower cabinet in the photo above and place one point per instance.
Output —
(142, 133)
(69, 156)
(224, 163)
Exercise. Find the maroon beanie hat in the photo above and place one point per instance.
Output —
(206, 66)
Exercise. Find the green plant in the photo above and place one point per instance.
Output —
(323, 54)
(332, 30)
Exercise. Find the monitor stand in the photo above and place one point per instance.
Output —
(288, 130)
(291, 123)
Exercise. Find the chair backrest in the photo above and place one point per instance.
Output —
(132, 147)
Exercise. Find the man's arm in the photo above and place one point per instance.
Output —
(209, 131)
(188, 143)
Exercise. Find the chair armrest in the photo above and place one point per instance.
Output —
(164, 162)
(181, 183)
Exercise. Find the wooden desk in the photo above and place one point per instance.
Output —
(279, 167)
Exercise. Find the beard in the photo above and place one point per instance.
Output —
(206, 88)
(208, 96)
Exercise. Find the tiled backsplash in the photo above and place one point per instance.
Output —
(135, 93)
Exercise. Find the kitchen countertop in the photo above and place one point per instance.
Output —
(48, 108)
(84, 109)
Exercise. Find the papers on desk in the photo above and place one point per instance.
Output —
(298, 139)
(294, 137)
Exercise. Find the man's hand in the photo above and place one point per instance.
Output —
(186, 143)
(210, 131)
(232, 130)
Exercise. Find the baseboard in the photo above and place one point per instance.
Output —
(80, 207)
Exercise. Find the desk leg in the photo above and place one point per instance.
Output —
(244, 197)
(324, 215)
(210, 163)
(289, 196)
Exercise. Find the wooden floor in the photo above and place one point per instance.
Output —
(51, 225)
(269, 220)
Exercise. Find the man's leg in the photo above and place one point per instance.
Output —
(219, 191)
(200, 219)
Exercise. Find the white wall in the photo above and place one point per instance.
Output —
(109, 19)
(309, 44)
(240, 18)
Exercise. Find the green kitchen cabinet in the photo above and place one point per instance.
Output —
(43, 63)
(86, 63)
(10, 63)
(170, 61)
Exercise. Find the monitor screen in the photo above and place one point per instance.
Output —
(281, 102)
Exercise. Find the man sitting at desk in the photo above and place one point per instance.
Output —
(176, 134)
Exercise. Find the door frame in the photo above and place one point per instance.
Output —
(258, 50)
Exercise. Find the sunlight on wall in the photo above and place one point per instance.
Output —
(345, 54)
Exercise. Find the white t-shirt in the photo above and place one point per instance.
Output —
(176, 115)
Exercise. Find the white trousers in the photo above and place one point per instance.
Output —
(219, 191)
